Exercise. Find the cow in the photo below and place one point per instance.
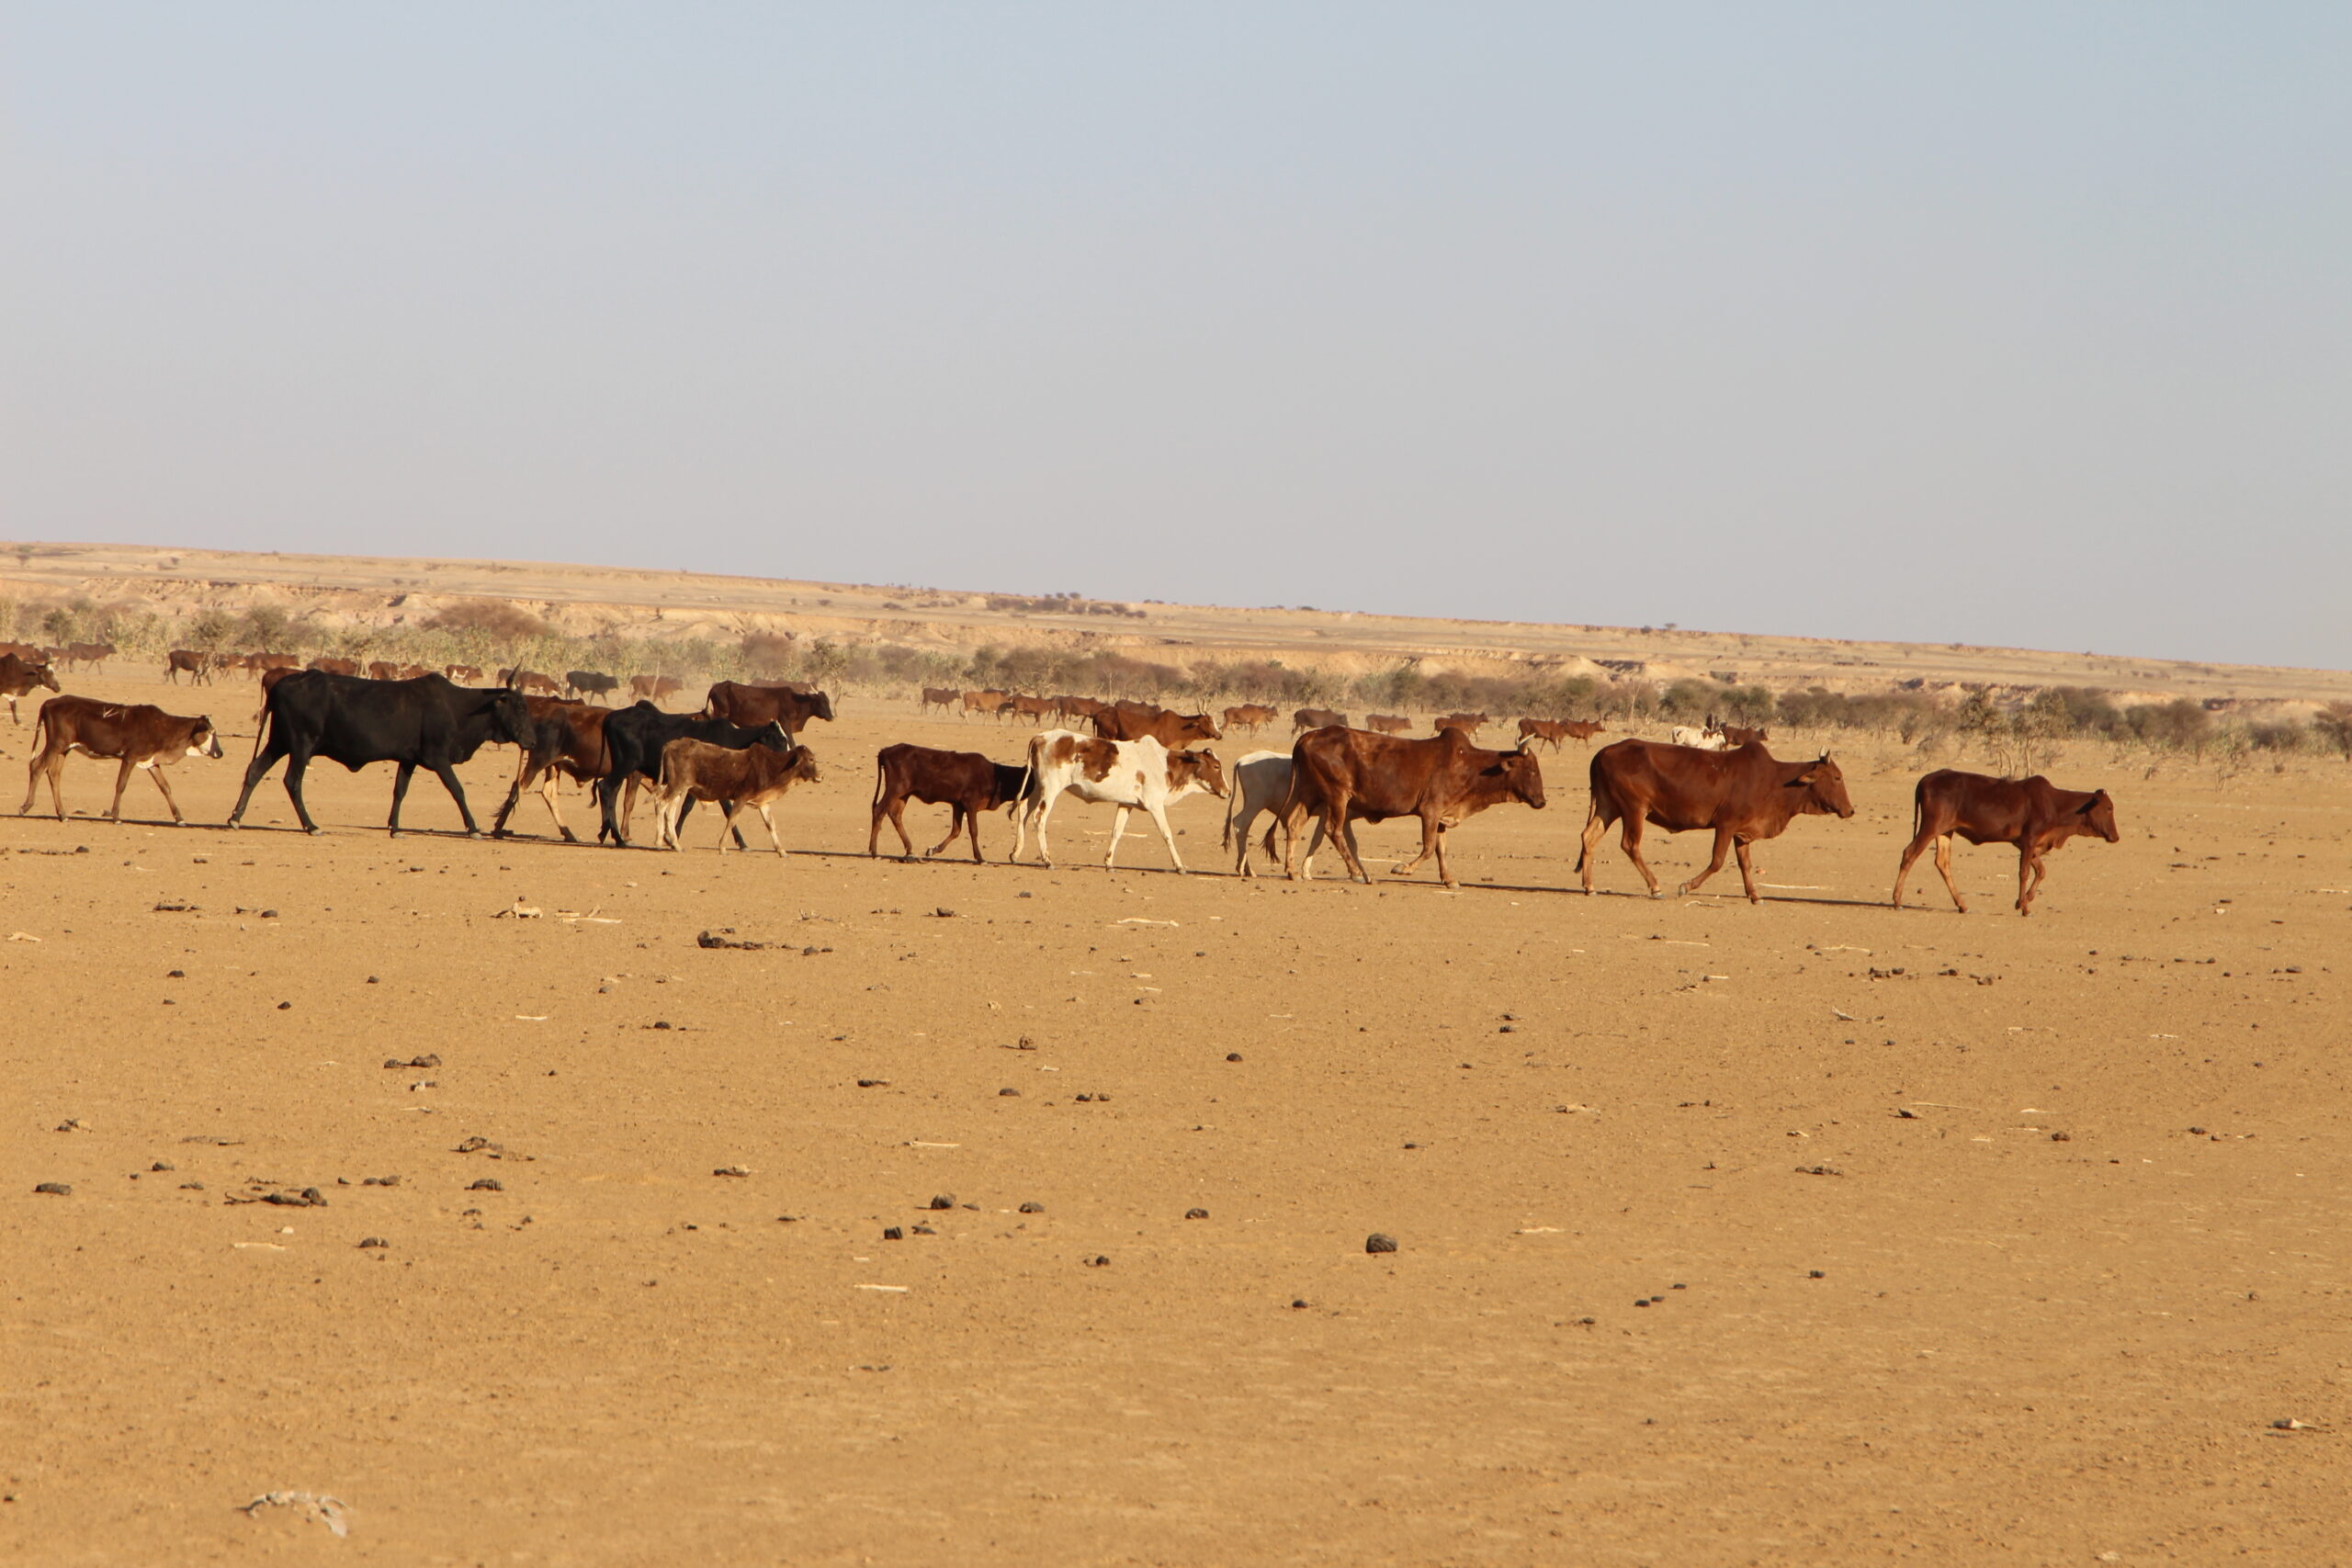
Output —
(461, 675)
(95, 654)
(27, 651)
(269, 678)
(1468, 723)
(19, 675)
(941, 696)
(334, 666)
(179, 659)
(133, 733)
(2034, 814)
(653, 688)
(965, 781)
(382, 669)
(1699, 740)
(634, 739)
(1133, 775)
(259, 662)
(1387, 722)
(1261, 783)
(590, 683)
(1541, 729)
(1316, 718)
(1170, 729)
(753, 706)
(1077, 707)
(1034, 709)
(411, 671)
(1342, 776)
(423, 723)
(989, 701)
(567, 741)
(1251, 717)
(1740, 795)
(730, 778)
(1734, 735)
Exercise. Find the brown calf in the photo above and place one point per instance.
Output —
(136, 735)
(754, 776)
(2034, 814)
(965, 781)
(653, 688)
(1468, 723)
(1387, 722)
(941, 696)
(1741, 795)
(1251, 717)
(183, 658)
(1316, 718)
(336, 666)
(1173, 730)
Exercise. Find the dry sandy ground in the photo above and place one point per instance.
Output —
(1895, 1314)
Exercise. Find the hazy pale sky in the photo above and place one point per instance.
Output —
(1997, 323)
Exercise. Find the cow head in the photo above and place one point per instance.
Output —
(821, 706)
(802, 766)
(42, 675)
(1522, 775)
(1196, 767)
(1200, 727)
(776, 737)
(204, 740)
(1825, 789)
(2099, 816)
(510, 718)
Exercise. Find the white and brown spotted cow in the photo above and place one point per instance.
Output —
(135, 734)
(1133, 775)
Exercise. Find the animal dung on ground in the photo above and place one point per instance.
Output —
(1196, 1213)
(892, 1232)
(429, 1060)
(1379, 1242)
(1233, 1055)
(1098, 1261)
(943, 1201)
(486, 1184)
(373, 1241)
(732, 1170)
(1008, 1093)
(711, 939)
(56, 1189)
(1033, 1208)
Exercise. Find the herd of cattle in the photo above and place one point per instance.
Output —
(742, 749)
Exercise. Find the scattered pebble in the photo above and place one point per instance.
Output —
(1814, 1274)
(1033, 1208)
(1196, 1213)
(1233, 1055)
(873, 1083)
(922, 1230)
(731, 1170)
(162, 1164)
(1008, 1093)
(943, 1201)
(367, 1241)
(1299, 1304)
(284, 1005)
(2062, 1137)
(1098, 1261)
(486, 1184)
(55, 1189)
(892, 1232)
(1378, 1241)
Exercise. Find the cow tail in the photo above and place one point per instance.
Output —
(1231, 796)
(1594, 773)
(269, 718)
(1028, 778)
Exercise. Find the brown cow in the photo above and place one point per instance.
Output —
(19, 675)
(1742, 796)
(1468, 723)
(179, 659)
(335, 666)
(530, 681)
(1387, 722)
(1173, 730)
(269, 678)
(989, 701)
(965, 781)
(462, 675)
(137, 735)
(27, 651)
(1734, 735)
(568, 741)
(383, 670)
(258, 662)
(938, 696)
(1316, 718)
(91, 653)
(1547, 729)
(1079, 708)
(1251, 717)
(2034, 814)
(753, 706)
(653, 688)
(754, 776)
(1343, 776)
(1034, 709)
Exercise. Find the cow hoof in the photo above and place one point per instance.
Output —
(313, 830)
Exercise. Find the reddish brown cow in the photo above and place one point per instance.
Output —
(653, 688)
(382, 669)
(336, 666)
(1547, 730)
(1468, 723)
(188, 659)
(257, 662)
(1077, 707)
(568, 741)
(1387, 722)
(2034, 814)
(91, 653)
(135, 734)
(1317, 718)
(530, 681)
(24, 650)
(19, 675)
(1741, 795)
(753, 706)
(1173, 730)
(965, 781)
(989, 701)
(753, 776)
(941, 696)
(1034, 709)
(269, 678)
(1733, 735)
(1343, 776)
(1251, 717)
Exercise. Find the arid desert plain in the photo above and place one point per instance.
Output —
(1000, 1214)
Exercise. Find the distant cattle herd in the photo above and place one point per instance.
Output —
(742, 749)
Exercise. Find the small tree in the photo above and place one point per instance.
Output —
(2332, 725)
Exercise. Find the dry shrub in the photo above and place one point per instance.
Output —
(500, 618)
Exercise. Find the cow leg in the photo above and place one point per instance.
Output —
(156, 773)
(773, 837)
(1118, 826)
(1431, 843)
(1342, 831)
(514, 793)
(1943, 865)
(121, 783)
(547, 783)
(1632, 841)
(1746, 870)
(1237, 838)
(1160, 819)
(297, 765)
(2029, 869)
(1724, 837)
(447, 774)
(959, 818)
(1911, 852)
(400, 777)
(264, 760)
(1595, 825)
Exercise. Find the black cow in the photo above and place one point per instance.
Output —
(634, 738)
(423, 723)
